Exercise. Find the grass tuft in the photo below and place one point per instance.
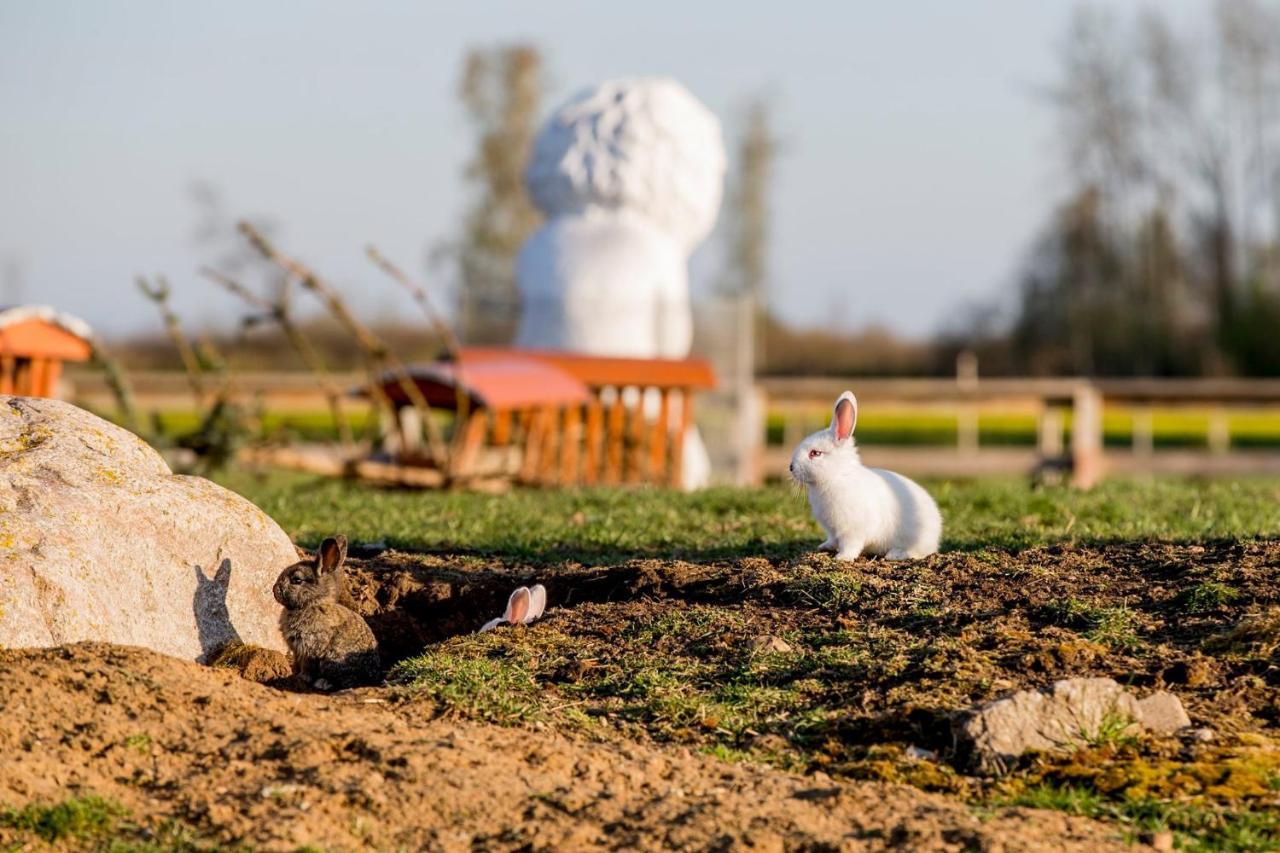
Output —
(82, 818)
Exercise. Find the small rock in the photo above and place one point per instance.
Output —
(919, 753)
(1162, 841)
(1204, 734)
(1162, 713)
(1064, 715)
(770, 643)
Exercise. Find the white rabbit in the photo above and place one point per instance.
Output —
(523, 607)
(862, 509)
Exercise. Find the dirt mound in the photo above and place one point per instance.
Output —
(240, 763)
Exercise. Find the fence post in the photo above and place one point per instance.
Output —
(1050, 437)
(1143, 432)
(967, 430)
(752, 425)
(1086, 436)
(1219, 438)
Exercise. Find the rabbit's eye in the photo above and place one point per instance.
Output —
(295, 579)
(814, 454)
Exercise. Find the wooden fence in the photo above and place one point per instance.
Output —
(1068, 412)
(1054, 403)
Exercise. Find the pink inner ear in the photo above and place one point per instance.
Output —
(517, 606)
(844, 420)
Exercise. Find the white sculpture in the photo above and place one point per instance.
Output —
(629, 175)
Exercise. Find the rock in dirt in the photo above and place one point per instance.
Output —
(1068, 713)
(770, 643)
(99, 540)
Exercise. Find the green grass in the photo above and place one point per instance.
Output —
(96, 823)
(1195, 827)
(81, 818)
(1209, 596)
(1114, 627)
(604, 525)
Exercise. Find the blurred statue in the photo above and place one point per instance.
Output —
(629, 175)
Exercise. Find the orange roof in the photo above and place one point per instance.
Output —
(40, 331)
(505, 383)
(601, 371)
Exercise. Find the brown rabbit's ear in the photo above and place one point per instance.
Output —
(333, 551)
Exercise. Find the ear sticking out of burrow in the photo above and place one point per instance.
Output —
(525, 605)
(844, 417)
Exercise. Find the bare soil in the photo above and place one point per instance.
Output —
(861, 665)
(238, 763)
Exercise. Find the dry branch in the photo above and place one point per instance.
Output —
(278, 311)
(447, 337)
(379, 360)
(159, 294)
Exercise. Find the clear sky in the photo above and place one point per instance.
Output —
(918, 158)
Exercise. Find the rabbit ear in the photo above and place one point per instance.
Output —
(537, 603)
(844, 416)
(517, 606)
(332, 553)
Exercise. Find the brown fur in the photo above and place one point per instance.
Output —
(330, 642)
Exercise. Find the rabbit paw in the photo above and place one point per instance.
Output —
(322, 685)
(849, 552)
(829, 545)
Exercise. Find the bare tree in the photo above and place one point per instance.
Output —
(502, 92)
(1171, 145)
(747, 217)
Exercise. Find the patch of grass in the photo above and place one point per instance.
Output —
(1208, 596)
(474, 676)
(830, 590)
(611, 525)
(139, 743)
(1196, 826)
(1114, 627)
(1113, 730)
(80, 818)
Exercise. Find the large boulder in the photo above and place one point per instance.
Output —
(1067, 714)
(99, 540)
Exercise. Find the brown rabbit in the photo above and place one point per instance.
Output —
(332, 646)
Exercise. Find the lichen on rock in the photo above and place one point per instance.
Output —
(101, 541)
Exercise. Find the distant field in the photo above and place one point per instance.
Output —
(1170, 428)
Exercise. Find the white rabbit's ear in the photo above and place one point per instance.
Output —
(537, 603)
(517, 606)
(844, 416)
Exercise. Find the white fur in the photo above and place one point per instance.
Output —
(863, 510)
(524, 606)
